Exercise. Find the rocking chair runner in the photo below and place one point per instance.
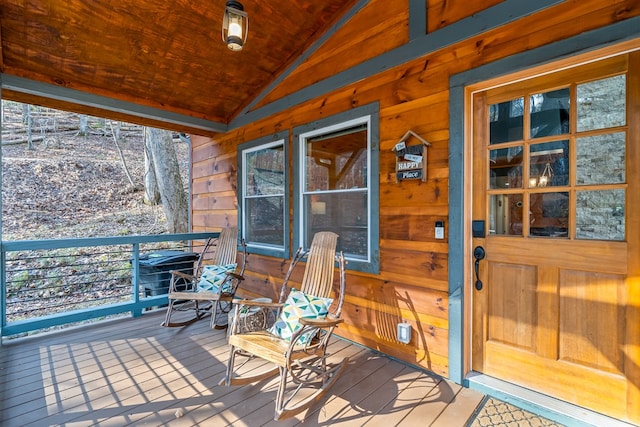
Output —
(303, 355)
(219, 298)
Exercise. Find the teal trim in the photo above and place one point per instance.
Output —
(60, 93)
(372, 110)
(280, 252)
(135, 277)
(456, 236)
(417, 18)
(582, 43)
(25, 245)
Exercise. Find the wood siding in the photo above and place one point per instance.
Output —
(412, 284)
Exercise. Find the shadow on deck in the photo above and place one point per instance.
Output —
(135, 372)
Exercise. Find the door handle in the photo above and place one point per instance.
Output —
(478, 254)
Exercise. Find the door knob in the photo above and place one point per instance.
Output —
(478, 254)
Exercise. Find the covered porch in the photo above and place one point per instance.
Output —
(131, 371)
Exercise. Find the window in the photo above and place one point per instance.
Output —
(337, 184)
(263, 184)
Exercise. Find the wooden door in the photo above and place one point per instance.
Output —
(556, 180)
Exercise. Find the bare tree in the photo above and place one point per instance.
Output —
(162, 156)
(151, 194)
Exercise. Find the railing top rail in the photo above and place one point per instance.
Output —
(21, 245)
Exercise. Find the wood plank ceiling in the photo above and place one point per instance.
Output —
(165, 55)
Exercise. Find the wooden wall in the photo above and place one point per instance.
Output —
(412, 283)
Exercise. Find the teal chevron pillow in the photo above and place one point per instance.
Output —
(213, 276)
(299, 305)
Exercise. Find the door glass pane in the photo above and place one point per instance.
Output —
(549, 164)
(549, 113)
(600, 214)
(506, 121)
(505, 214)
(505, 168)
(601, 103)
(549, 214)
(600, 159)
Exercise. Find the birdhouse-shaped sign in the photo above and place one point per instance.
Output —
(411, 159)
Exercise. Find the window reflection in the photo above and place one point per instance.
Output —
(505, 214)
(506, 168)
(506, 121)
(549, 113)
(549, 214)
(549, 164)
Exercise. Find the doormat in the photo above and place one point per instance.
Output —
(496, 413)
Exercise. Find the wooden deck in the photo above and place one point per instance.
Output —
(135, 372)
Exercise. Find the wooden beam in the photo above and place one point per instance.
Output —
(91, 101)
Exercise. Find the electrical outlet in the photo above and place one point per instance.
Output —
(404, 333)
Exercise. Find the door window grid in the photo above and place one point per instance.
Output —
(548, 180)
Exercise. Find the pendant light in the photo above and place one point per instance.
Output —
(235, 25)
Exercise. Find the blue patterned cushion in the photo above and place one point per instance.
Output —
(299, 305)
(213, 276)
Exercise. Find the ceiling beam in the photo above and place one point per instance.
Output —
(98, 102)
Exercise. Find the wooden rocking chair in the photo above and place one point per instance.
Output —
(303, 355)
(218, 271)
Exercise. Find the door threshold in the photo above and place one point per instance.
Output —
(553, 409)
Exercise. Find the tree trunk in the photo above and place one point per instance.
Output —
(151, 194)
(168, 179)
(29, 126)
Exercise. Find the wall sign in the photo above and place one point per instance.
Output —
(411, 160)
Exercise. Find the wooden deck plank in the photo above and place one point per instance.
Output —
(135, 372)
(461, 408)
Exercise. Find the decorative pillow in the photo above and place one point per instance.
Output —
(299, 305)
(213, 276)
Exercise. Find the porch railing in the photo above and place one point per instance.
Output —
(49, 283)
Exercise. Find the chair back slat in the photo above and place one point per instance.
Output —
(318, 273)
(227, 247)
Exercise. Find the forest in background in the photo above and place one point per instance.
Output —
(67, 184)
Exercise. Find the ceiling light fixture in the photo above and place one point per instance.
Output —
(235, 25)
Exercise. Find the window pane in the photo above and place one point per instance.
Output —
(549, 113)
(505, 214)
(337, 161)
(265, 220)
(600, 214)
(549, 214)
(602, 103)
(549, 164)
(601, 159)
(506, 121)
(265, 172)
(505, 168)
(344, 213)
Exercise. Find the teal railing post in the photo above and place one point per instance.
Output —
(135, 277)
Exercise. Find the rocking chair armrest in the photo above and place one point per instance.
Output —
(252, 303)
(320, 323)
(183, 275)
(235, 276)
